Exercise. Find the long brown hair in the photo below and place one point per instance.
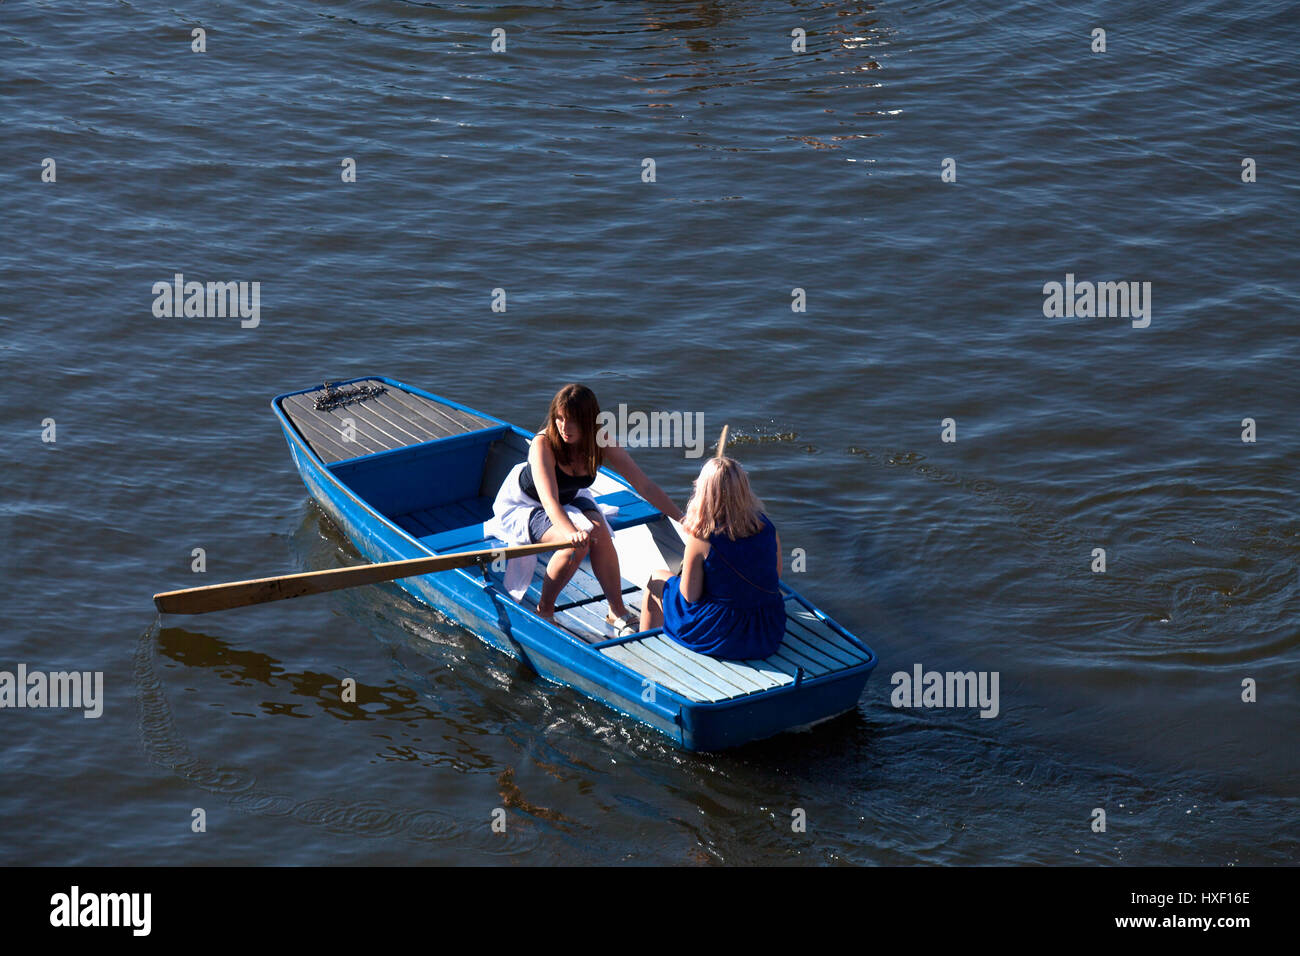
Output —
(722, 502)
(577, 404)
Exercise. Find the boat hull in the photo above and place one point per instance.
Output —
(478, 603)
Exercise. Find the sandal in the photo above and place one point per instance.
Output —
(627, 623)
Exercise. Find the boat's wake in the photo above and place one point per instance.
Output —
(1226, 586)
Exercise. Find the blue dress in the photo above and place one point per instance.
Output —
(734, 618)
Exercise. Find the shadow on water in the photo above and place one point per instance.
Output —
(321, 694)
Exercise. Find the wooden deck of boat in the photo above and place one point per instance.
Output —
(810, 645)
(393, 418)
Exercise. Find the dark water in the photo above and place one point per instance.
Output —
(775, 170)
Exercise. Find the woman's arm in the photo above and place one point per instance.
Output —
(692, 586)
(542, 462)
(779, 562)
(622, 463)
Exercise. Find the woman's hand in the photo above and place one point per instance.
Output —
(621, 462)
(578, 537)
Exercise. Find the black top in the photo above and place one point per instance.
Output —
(567, 485)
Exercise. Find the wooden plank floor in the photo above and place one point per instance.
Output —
(392, 419)
(810, 644)
(580, 608)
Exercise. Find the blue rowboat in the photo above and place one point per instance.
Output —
(407, 474)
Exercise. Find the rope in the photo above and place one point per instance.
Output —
(332, 397)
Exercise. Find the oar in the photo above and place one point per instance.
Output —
(722, 442)
(219, 597)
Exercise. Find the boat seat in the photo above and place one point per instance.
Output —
(632, 509)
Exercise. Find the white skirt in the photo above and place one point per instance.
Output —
(510, 514)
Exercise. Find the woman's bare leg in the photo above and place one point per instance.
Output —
(559, 570)
(604, 562)
(652, 600)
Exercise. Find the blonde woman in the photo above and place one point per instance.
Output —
(727, 601)
(546, 499)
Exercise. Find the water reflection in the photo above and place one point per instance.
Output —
(321, 694)
(241, 787)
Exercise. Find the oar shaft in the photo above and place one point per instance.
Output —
(219, 597)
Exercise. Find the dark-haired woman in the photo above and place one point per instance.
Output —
(547, 499)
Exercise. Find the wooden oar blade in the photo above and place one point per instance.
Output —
(722, 442)
(220, 597)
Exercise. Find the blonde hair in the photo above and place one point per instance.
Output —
(722, 502)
